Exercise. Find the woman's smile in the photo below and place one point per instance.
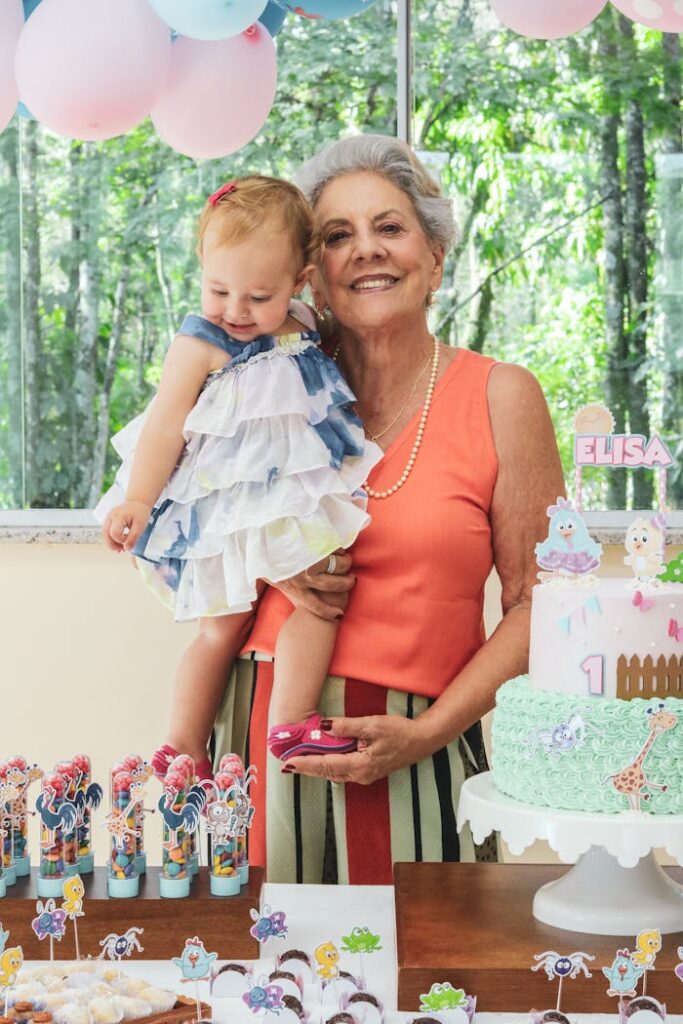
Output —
(374, 283)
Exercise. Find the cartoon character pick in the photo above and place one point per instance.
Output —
(561, 966)
(648, 945)
(327, 958)
(11, 962)
(645, 545)
(268, 925)
(195, 965)
(360, 941)
(115, 946)
(49, 922)
(264, 997)
(568, 551)
(623, 975)
(442, 997)
(678, 969)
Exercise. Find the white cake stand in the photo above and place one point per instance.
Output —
(615, 887)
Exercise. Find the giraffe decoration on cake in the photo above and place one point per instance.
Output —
(632, 780)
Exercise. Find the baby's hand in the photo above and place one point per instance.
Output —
(124, 524)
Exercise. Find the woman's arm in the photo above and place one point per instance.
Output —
(529, 479)
(187, 364)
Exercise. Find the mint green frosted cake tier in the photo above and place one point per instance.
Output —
(537, 761)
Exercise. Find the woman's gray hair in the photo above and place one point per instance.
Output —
(393, 160)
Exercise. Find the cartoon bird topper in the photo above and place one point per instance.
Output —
(623, 975)
(568, 552)
(645, 542)
(326, 956)
(195, 965)
(73, 892)
(11, 962)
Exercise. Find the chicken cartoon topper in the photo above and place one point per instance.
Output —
(194, 963)
(11, 962)
(568, 552)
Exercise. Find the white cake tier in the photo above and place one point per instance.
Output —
(607, 639)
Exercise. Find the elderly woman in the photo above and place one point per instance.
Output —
(470, 466)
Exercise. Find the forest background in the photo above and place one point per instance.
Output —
(564, 159)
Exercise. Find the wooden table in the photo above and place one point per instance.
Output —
(472, 925)
(222, 923)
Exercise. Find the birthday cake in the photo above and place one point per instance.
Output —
(597, 724)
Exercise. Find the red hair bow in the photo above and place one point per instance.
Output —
(224, 190)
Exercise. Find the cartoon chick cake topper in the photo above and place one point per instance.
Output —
(568, 552)
(11, 962)
(645, 542)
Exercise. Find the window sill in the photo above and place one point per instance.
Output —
(78, 526)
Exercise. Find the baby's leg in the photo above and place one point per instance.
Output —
(302, 657)
(200, 681)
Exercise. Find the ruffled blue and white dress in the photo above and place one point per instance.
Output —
(269, 482)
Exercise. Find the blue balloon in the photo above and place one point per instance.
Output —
(29, 8)
(208, 19)
(325, 9)
(23, 111)
(273, 17)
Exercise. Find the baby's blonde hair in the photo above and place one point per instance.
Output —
(256, 202)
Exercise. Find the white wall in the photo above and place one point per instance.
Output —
(88, 659)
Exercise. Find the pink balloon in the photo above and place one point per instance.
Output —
(547, 19)
(219, 93)
(666, 15)
(11, 24)
(92, 69)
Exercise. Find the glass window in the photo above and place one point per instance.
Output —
(108, 267)
(565, 162)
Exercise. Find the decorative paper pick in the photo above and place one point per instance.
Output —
(195, 965)
(569, 551)
(678, 969)
(623, 975)
(558, 965)
(11, 961)
(645, 543)
(360, 941)
(327, 957)
(115, 947)
(648, 945)
(49, 923)
(268, 925)
(266, 997)
(442, 997)
(73, 892)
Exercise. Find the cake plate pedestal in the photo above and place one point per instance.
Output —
(615, 887)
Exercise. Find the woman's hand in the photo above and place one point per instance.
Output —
(124, 524)
(385, 744)
(320, 590)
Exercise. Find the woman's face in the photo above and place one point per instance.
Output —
(377, 264)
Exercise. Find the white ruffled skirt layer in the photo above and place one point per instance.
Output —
(269, 483)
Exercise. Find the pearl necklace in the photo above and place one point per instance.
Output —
(420, 427)
(376, 437)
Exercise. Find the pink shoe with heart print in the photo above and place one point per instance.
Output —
(294, 740)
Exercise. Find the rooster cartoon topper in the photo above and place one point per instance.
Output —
(194, 963)
(568, 551)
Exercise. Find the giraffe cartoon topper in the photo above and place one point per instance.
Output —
(632, 780)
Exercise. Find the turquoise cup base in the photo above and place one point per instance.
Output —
(174, 888)
(225, 885)
(123, 888)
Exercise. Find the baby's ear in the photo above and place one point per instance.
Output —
(303, 278)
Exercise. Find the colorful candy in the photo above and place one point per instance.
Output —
(123, 879)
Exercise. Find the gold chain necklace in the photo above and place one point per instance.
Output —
(376, 437)
(420, 427)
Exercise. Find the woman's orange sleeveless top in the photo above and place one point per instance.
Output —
(415, 615)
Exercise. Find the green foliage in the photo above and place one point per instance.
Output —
(513, 126)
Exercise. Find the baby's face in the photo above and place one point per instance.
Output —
(246, 288)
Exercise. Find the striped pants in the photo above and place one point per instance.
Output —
(309, 830)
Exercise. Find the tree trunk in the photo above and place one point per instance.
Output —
(637, 271)
(113, 350)
(670, 257)
(12, 344)
(615, 277)
(85, 358)
(37, 455)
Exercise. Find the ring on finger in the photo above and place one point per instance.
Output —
(331, 565)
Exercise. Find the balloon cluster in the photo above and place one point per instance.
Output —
(543, 20)
(204, 70)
